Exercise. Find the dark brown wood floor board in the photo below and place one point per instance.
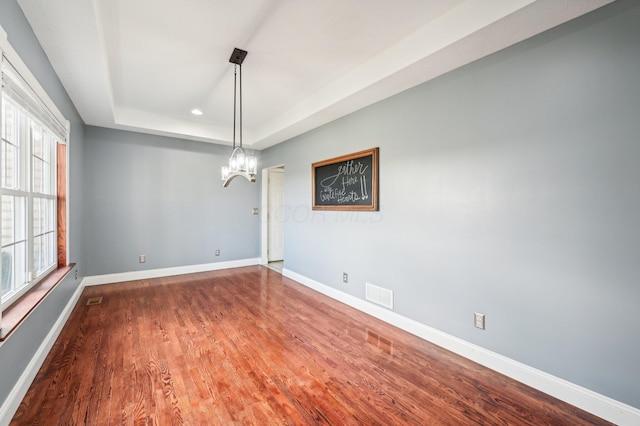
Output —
(239, 336)
(330, 338)
(260, 374)
(457, 395)
(117, 395)
(275, 381)
(117, 348)
(123, 331)
(248, 346)
(399, 372)
(86, 355)
(329, 351)
(321, 366)
(93, 374)
(265, 356)
(72, 387)
(228, 384)
(396, 382)
(135, 406)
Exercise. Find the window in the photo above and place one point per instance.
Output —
(30, 134)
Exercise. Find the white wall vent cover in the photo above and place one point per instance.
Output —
(379, 295)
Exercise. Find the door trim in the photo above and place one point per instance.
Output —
(264, 208)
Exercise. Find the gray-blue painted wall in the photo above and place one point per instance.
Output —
(509, 187)
(162, 198)
(17, 350)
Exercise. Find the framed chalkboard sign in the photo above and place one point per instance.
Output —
(349, 182)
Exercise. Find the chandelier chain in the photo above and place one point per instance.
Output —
(235, 96)
(240, 105)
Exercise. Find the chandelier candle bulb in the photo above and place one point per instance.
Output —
(252, 165)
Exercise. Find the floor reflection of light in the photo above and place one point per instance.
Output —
(380, 342)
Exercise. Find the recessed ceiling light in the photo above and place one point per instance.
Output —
(196, 111)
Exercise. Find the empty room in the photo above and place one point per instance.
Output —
(344, 212)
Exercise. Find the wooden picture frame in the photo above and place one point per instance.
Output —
(349, 182)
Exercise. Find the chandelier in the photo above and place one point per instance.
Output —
(240, 164)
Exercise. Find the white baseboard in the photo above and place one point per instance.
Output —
(12, 403)
(585, 399)
(167, 272)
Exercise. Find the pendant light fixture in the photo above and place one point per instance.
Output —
(240, 164)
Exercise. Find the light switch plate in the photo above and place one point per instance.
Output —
(478, 320)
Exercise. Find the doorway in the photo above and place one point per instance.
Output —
(273, 217)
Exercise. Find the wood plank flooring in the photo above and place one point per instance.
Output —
(248, 346)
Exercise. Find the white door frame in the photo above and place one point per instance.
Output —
(264, 240)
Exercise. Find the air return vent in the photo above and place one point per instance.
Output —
(379, 295)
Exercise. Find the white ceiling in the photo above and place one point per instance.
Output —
(143, 65)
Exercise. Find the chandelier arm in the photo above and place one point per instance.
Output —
(232, 176)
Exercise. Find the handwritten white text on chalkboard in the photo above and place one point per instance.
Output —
(348, 185)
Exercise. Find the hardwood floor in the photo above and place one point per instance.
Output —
(248, 346)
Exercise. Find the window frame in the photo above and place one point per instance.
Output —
(61, 132)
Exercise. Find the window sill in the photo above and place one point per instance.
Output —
(21, 308)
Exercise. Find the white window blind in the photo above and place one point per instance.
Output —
(17, 88)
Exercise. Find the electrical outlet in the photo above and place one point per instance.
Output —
(345, 278)
(217, 252)
(142, 258)
(478, 320)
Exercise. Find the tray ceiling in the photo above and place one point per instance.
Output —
(143, 65)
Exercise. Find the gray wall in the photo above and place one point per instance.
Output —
(18, 349)
(509, 187)
(163, 198)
